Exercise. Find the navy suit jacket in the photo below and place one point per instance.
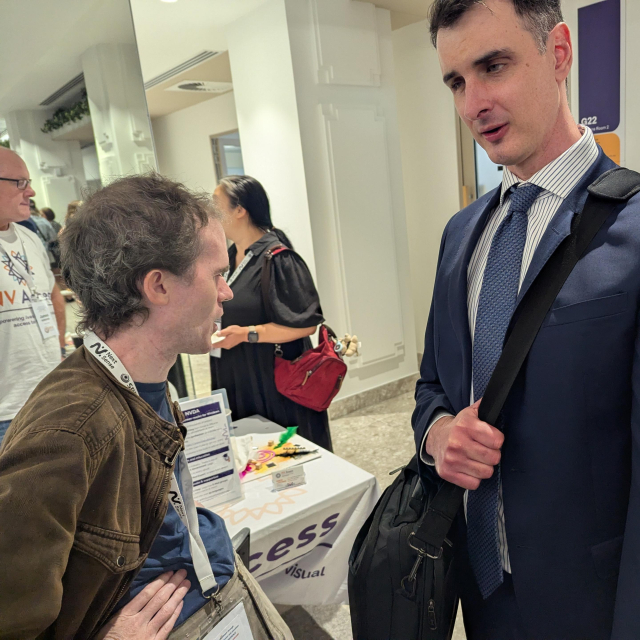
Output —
(571, 481)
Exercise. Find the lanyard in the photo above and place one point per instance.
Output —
(25, 275)
(240, 269)
(184, 507)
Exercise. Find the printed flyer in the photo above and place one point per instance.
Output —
(209, 453)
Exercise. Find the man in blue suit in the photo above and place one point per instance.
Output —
(548, 543)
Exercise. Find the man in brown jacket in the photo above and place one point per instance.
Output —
(87, 465)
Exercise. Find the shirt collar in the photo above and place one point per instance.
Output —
(561, 175)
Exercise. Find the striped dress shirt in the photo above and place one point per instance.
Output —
(557, 180)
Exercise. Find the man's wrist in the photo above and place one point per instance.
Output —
(437, 424)
(424, 456)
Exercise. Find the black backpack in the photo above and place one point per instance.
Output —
(387, 602)
(401, 580)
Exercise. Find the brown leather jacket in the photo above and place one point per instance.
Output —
(85, 469)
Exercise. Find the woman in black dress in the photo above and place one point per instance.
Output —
(246, 367)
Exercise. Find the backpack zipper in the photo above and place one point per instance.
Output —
(431, 613)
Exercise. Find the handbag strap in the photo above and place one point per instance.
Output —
(265, 282)
(611, 189)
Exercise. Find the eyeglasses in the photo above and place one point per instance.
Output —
(22, 184)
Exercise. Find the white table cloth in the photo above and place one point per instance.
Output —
(301, 538)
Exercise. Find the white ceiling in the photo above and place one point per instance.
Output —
(40, 47)
(170, 33)
(37, 60)
(413, 7)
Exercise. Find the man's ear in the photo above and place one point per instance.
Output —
(560, 41)
(155, 288)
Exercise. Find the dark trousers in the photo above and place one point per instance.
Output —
(497, 617)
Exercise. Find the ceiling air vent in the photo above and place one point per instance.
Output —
(187, 64)
(201, 86)
(70, 86)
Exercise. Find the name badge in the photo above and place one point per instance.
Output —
(45, 319)
(234, 626)
(289, 478)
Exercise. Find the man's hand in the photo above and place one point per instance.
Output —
(152, 614)
(465, 449)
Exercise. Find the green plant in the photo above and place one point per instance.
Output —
(65, 115)
(5, 143)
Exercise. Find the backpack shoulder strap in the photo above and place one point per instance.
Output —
(618, 185)
(606, 193)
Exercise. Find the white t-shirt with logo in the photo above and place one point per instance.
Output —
(25, 357)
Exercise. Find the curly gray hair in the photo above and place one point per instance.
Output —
(122, 232)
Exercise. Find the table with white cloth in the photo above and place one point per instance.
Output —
(301, 537)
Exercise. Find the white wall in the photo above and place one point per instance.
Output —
(426, 118)
(632, 46)
(264, 86)
(183, 140)
(315, 95)
(344, 73)
(55, 167)
(90, 162)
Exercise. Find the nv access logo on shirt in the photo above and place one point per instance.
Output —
(9, 297)
(9, 265)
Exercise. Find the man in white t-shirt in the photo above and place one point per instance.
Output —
(30, 342)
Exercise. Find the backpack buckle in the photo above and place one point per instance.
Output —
(422, 549)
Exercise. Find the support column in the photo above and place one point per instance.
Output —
(55, 167)
(118, 110)
(265, 94)
(315, 98)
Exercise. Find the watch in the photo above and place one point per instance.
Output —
(253, 336)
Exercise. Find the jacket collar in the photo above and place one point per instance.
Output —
(560, 226)
(153, 433)
(558, 229)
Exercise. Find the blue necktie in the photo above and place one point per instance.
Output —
(496, 304)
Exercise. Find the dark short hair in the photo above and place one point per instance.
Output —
(48, 213)
(539, 16)
(122, 232)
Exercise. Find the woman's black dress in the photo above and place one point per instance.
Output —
(247, 370)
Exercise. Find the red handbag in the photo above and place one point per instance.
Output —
(314, 378)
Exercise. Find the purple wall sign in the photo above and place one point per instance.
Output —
(599, 74)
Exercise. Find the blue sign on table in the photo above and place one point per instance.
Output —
(599, 74)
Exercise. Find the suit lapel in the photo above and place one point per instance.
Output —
(458, 309)
(560, 226)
